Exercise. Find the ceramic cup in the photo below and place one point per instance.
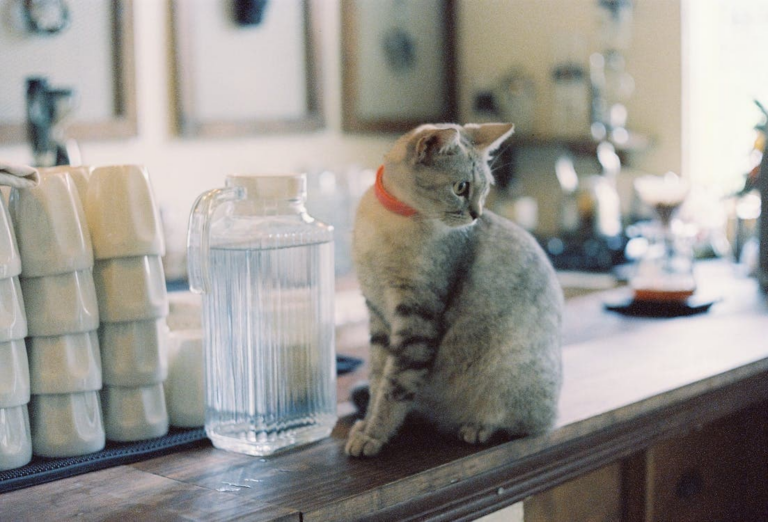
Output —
(10, 261)
(61, 304)
(184, 392)
(79, 175)
(130, 288)
(50, 226)
(13, 317)
(185, 311)
(15, 438)
(134, 413)
(134, 353)
(122, 213)
(64, 363)
(14, 374)
(66, 425)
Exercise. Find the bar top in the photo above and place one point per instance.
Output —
(629, 382)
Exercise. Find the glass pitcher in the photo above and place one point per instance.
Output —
(265, 269)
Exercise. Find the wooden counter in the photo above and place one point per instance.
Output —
(629, 383)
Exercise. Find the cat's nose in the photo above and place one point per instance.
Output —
(475, 209)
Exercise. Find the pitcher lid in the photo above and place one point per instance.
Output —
(273, 186)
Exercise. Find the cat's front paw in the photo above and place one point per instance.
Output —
(361, 445)
(474, 434)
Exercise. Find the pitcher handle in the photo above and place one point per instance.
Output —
(198, 235)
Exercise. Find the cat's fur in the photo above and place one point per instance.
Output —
(465, 308)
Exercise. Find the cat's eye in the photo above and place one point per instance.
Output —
(460, 188)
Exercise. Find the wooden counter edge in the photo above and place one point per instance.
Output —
(518, 478)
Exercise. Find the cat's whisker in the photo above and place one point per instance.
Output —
(494, 163)
(496, 168)
(498, 155)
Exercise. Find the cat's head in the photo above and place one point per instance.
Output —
(441, 170)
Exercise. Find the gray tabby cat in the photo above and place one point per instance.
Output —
(465, 308)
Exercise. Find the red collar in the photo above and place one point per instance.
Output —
(389, 201)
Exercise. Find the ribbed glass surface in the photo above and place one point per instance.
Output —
(270, 358)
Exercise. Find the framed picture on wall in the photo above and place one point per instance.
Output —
(398, 62)
(84, 49)
(246, 67)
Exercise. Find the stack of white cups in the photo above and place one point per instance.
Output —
(62, 317)
(133, 303)
(15, 438)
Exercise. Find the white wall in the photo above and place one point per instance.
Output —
(655, 60)
(183, 168)
(491, 34)
(497, 35)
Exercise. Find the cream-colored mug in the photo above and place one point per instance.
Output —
(134, 353)
(10, 261)
(184, 387)
(14, 374)
(64, 363)
(51, 229)
(134, 413)
(61, 304)
(15, 438)
(67, 424)
(79, 174)
(122, 213)
(130, 288)
(13, 317)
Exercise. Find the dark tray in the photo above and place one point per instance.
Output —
(41, 470)
(691, 306)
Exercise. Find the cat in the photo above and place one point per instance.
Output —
(465, 308)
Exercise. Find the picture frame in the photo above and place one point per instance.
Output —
(93, 55)
(236, 78)
(398, 64)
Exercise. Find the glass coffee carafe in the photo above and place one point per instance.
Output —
(665, 271)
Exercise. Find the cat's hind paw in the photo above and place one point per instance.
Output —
(361, 445)
(474, 434)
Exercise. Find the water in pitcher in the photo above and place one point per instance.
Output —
(270, 361)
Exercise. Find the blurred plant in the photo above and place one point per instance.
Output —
(758, 149)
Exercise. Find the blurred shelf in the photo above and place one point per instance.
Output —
(635, 142)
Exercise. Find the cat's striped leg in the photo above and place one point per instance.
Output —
(410, 354)
(379, 348)
(379, 345)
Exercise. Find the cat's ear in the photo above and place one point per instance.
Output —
(488, 136)
(435, 141)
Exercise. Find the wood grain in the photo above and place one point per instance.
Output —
(717, 472)
(124, 494)
(630, 383)
(595, 497)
